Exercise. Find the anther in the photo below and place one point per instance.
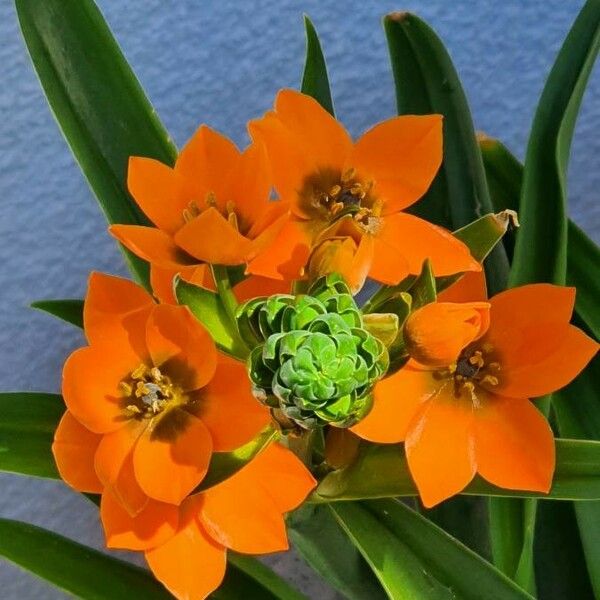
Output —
(335, 191)
(141, 390)
(139, 372)
(490, 379)
(125, 389)
(211, 199)
(132, 408)
(155, 374)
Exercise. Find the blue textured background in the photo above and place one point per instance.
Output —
(221, 62)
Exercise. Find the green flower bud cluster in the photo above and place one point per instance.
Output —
(312, 358)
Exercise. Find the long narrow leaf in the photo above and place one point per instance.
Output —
(505, 174)
(413, 558)
(315, 81)
(98, 103)
(540, 253)
(27, 424)
(324, 545)
(69, 310)
(426, 82)
(81, 571)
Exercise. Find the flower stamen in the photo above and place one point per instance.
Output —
(148, 392)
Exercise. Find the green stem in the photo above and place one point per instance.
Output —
(225, 291)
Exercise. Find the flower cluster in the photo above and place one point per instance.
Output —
(156, 400)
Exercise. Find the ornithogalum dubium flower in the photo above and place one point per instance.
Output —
(352, 194)
(213, 206)
(462, 404)
(150, 398)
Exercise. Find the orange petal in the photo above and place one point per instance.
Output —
(300, 138)
(172, 456)
(514, 445)
(273, 483)
(115, 312)
(73, 448)
(538, 350)
(153, 526)
(191, 564)
(527, 304)
(211, 238)
(289, 163)
(292, 481)
(402, 156)
(90, 386)
(396, 401)
(228, 409)
(315, 129)
(440, 447)
(181, 346)
(157, 191)
(250, 187)
(206, 165)
(286, 256)
(114, 465)
(388, 266)
(542, 359)
(151, 244)
(254, 286)
(417, 240)
(436, 333)
(471, 287)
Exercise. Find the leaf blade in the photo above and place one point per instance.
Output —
(315, 81)
(69, 310)
(98, 103)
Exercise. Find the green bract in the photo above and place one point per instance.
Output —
(312, 357)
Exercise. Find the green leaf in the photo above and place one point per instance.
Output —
(426, 82)
(320, 540)
(69, 310)
(541, 245)
(583, 258)
(540, 253)
(413, 558)
(423, 289)
(27, 424)
(225, 464)
(208, 308)
(578, 416)
(315, 81)
(560, 565)
(381, 471)
(249, 579)
(98, 103)
(504, 174)
(76, 569)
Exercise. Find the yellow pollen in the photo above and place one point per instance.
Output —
(490, 380)
(335, 190)
(147, 392)
(125, 389)
(139, 372)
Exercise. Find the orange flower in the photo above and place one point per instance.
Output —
(473, 414)
(212, 207)
(244, 513)
(326, 178)
(150, 399)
